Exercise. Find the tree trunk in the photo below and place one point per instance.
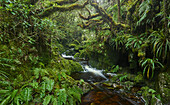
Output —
(118, 6)
(165, 15)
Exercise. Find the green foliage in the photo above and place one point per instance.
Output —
(120, 40)
(41, 89)
(139, 77)
(150, 65)
(115, 69)
(144, 9)
(161, 44)
(148, 93)
(122, 78)
(134, 42)
(47, 100)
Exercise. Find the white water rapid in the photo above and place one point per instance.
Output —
(86, 67)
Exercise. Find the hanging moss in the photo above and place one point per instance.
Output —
(61, 8)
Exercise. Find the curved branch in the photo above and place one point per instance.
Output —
(61, 2)
(89, 17)
(88, 11)
(50, 10)
(108, 18)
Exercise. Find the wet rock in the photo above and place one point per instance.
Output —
(164, 86)
(112, 85)
(106, 98)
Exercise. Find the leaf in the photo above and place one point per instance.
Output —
(34, 84)
(54, 101)
(59, 77)
(3, 91)
(123, 77)
(14, 94)
(42, 88)
(47, 100)
(144, 63)
(144, 70)
(1, 7)
(62, 97)
(26, 94)
(152, 91)
(6, 100)
(75, 92)
(16, 100)
(49, 84)
(148, 72)
(63, 74)
(70, 100)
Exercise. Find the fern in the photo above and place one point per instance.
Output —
(47, 100)
(123, 78)
(49, 83)
(144, 9)
(3, 75)
(40, 72)
(26, 95)
(62, 97)
(54, 100)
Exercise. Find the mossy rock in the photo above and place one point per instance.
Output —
(68, 66)
(164, 86)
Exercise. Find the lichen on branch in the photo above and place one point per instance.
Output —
(104, 18)
(89, 17)
(61, 8)
(63, 2)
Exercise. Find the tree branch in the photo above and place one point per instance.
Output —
(108, 18)
(63, 2)
(50, 10)
(89, 17)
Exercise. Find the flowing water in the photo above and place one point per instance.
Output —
(89, 74)
(101, 95)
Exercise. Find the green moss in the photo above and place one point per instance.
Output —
(139, 78)
(77, 55)
(68, 66)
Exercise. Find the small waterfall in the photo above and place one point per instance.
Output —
(68, 57)
(86, 68)
(94, 71)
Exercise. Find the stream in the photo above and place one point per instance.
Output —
(101, 94)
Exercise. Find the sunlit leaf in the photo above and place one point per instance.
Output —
(47, 100)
